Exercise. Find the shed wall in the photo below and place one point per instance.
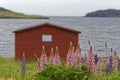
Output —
(30, 42)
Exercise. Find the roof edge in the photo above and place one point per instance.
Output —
(57, 26)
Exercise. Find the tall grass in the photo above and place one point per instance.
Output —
(11, 68)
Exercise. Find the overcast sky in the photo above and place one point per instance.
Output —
(59, 7)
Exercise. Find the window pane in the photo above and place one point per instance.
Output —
(46, 38)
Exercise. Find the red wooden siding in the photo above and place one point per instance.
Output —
(30, 41)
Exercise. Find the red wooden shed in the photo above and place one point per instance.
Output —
(31, 40)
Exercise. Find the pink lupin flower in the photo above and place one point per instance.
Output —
(99, 66)
(90, 59)
(43, 59)
(57, 57)
(73, 56)
(69, 55)
(51, 58)
(78, 51)
(78, 55)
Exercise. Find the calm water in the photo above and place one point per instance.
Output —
(98, 30)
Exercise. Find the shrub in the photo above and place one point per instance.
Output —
(62, 72)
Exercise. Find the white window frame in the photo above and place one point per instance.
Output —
(46, 38)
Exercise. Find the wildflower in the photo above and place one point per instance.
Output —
(57, 57)
(115, 62)
(85, 58)
(43, 59)
(96, 58)
(91, 60)
(73, 56)
(69, 55)
(51, 58)
(78, 56)
(23, 65)
(109, 66)
(99, 66)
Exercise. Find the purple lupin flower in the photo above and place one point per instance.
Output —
(109, 66)
(96, 58)
(23, 65)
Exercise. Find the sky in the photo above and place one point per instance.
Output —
(59, 7)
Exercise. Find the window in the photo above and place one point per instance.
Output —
(46, 38)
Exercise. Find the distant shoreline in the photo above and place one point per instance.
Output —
(112, 13)
(8, 14)
(24, 18)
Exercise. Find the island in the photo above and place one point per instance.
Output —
(9, 14)
(104, 13)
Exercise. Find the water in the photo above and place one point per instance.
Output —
(97, 30)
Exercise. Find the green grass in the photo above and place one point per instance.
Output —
(11, 14)
(111, 76)
(11, 68)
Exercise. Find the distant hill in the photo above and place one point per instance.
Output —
(104, 13)
(5, 13)
(3, 9)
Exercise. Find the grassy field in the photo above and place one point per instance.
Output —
(112, 76)
(11, 68)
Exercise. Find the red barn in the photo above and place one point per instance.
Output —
(31, 40)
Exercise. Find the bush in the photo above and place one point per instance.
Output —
(62, 72)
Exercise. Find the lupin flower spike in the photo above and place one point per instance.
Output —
(52, 49)
(79, 42)
(43, 47)
(56, 48)
(90, 46)
(23, 54)
(89, 42)
(70, 43)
